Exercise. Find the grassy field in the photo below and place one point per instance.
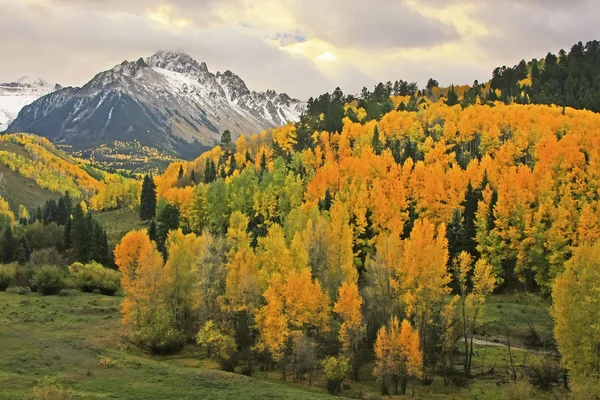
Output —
(76, 341)
(118, 222)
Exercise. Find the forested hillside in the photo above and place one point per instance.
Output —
(377, 236)
(567, 79)
(49, 172)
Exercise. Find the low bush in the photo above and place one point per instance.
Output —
(48, 390)
(48, 280)
(93, 276)
(544, 373)
(336, 370)
(519, 390)
(18, 290)
(7, 275)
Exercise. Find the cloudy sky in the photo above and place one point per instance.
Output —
(303, 47)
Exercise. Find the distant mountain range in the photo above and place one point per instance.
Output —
(167, 101)
(15, 95)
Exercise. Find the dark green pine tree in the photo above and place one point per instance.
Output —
(193, 177)
(62, 213)
(248, 157)
(8, 245)
(452, 99)
(167, 219)
(376, 142)
(50, 211)
(98, 248)
(23, 252)
(472, 199)
(325, 204)
(39, 215)
(148, 198)
(80, 235)
(232, 164)
(67, 235)
(68, 202)
(152, 232)
(263, 163)
(225, 139)
(222, 172)
(456, 236)
(180, 174)
(210, 171)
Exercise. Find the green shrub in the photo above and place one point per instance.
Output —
(336, 370)
(519, 390)
(48, 280)
(48, 390)
(7, 274)
(18, 290)
(93, 276)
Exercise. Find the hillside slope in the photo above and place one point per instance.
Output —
(33, 171)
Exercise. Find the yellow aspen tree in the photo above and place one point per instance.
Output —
(576, 310)
(294, 304)
(471, 301)
(399, 354)
(180, 286)
(352, 330)
(340, 257)
(144, 308)
(242, 290)
(423, 275)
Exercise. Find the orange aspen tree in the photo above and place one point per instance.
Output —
(398, 353)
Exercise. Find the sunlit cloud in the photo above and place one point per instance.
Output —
(163, 14)
(327, 56)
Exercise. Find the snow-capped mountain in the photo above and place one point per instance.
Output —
(168, 101)
(15, 95)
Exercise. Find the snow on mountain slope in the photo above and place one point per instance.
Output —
(16, 95)
(168, 101)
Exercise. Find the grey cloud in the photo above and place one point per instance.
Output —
(390, 24)
(526, 30)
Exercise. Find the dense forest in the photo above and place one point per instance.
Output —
(379, 238)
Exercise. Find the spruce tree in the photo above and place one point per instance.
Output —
(68, 202)
(79, 234)
(50, 211)
(39, 215)
(152, 233)
(67, 235)
(148, 198)
(23, 252)
(180, 174)
(193, 177)
(8, 246)
(167, 219)
(62, 213)
(376, 142)
(452, 99)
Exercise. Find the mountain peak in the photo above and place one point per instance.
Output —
(27, 81)
(176, 62)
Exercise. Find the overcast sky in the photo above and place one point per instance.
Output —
(302, 47)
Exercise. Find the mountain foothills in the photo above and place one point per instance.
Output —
(361, 249)
(168, 102)
(15, 95)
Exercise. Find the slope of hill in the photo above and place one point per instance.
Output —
(168, 101)
(33, 170)
(15, 95)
